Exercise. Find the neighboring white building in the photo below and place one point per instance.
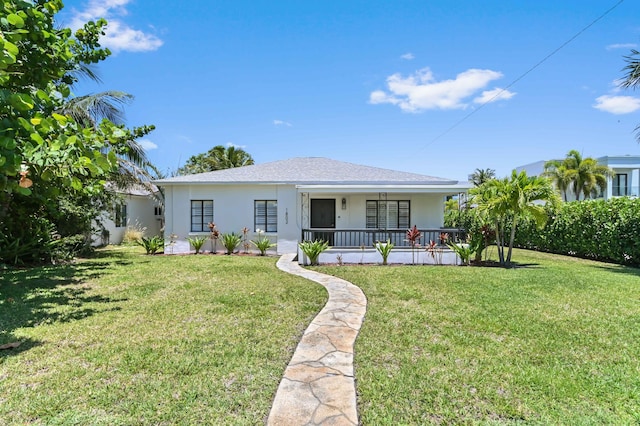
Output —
(349, 205)
(626, 181)
(137, 208)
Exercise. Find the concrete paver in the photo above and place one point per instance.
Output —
(318, 386)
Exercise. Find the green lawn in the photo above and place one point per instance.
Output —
(131, 339)
(555, 341)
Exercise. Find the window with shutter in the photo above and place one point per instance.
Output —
(266, 215)
(388, 214)
(201, 215)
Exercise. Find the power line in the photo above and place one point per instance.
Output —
(457, 123)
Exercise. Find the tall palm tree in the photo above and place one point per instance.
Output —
(231, 156)
(217, 158)
(480, 176)
(560, 175)
(632, 76)
(508, 200)
(587, 177)
(89, 110)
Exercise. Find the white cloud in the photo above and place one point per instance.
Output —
(408, 56)
(421, 91)
(119, 36)
(494, 95)
(281, 123)
(621, 46)
(617, 104)
(147, 145)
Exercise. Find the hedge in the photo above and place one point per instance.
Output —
(594, 229)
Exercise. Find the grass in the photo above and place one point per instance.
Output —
(125, 339)
(555, 341)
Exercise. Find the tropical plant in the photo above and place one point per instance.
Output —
(632, 76)
(384, 249)
(313, 249)
(413, 235)
(508, 200)
(214, 234)
(480, 176)
(197, 243)
(152, 244)
(231, 241)
(245, 239)
(560, 174)
(583, 176)
(134, 168)
(217, 158)
(46, 156)
(435, 252)
(262, 243)
(464, 251)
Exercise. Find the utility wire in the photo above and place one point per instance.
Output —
(457, 123)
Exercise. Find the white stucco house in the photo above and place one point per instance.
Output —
(626, 181)
(351, 206)
(137, 207)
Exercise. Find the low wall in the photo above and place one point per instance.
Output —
(371, 256)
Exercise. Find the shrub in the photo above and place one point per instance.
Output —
(384, 249)
(463, 250)
(312, 249)
(133, 234)
(230, 241)
(263, 243)
(197, 243)
(594, 229)
(151, 245)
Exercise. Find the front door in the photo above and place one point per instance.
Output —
(323, 215)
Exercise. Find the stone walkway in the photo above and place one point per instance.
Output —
(318, 387)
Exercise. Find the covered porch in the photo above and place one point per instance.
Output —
(353, 218)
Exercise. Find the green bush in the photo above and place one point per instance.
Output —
(151, 245)
(384, 248)
(594, 229)
(263, 243)
(312, 249)
(197, 243)
(230, 241)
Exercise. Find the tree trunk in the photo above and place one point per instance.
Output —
(499, 243)
(511, 239)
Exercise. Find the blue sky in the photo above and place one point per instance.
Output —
(392, 84)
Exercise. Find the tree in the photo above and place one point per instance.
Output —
(134, 168)
(506, 201)
(560, 175)
(480, 176)
(586, 176)
(217, 158)
(45, 153)
(632, 76)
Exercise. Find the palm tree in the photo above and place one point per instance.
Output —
(508, 200)
(632, 77)
(587, 177)
(559, 174)
(231, 156)
(217, 158)
(480, 176)
(134, 167)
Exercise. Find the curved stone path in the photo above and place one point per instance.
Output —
(318, 387)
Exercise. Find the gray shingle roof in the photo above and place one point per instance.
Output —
(309, 171)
